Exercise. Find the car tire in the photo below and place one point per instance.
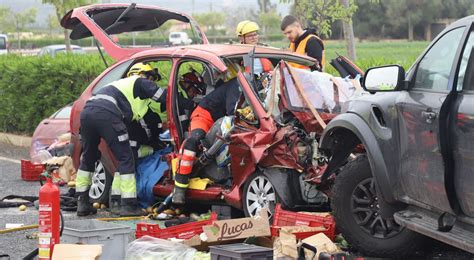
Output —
(101, 184)
(355, 208)
(259, 192)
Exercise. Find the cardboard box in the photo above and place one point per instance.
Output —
(322, 244)
(76, 252)
(223, 230)
(66, 171)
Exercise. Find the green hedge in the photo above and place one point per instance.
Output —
(32, 88)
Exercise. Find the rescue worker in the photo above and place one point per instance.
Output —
(217, 104)
(144, 133)
(247, 31)
(303, 41)
(106, 115)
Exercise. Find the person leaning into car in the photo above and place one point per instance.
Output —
(143, 133)
(303, 41)
(106, 115)
(219, 103)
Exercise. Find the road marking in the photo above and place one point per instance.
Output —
(10, 160)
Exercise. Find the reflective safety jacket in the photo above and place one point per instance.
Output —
(129, 97)
(301, 46)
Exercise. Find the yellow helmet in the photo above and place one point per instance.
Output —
(245, 27)
(139, 68)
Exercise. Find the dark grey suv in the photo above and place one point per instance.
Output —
(416, 174)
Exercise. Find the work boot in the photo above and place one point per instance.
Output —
(114, 204)
(84, 206)
(129, 207)
(179, 195)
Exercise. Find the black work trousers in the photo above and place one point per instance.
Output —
(97, 123)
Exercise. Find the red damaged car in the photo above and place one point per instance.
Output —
(272, 148)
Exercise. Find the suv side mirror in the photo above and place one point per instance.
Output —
(385, 78)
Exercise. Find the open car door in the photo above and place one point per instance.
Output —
(118, 26)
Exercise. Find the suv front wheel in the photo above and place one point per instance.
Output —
(356, 210)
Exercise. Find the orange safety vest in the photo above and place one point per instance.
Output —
(266, 64)
(302, 50)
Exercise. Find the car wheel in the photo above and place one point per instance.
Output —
(101, 183)
(356, 210)
(259, 192)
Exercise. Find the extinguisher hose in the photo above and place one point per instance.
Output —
(34, 253)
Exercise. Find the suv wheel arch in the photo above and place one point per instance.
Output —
(352, 130)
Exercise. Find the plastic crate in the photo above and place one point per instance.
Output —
(240, 251)
(31, 171)
(113, 237)
(284, 218)
(183, 231)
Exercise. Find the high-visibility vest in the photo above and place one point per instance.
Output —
(156, 106)
(302, 50)
(139, 106)
(266, 65)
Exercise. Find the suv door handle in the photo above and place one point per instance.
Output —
(429, 116)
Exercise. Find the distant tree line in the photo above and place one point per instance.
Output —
(403, 19)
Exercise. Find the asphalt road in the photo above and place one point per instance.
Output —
(17, 245)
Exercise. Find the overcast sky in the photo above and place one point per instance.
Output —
(187, 6)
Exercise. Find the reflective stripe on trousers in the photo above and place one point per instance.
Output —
(186, 160)
(128, 186)
(115, 190)
(83, 180)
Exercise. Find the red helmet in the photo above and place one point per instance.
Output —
(195, 81)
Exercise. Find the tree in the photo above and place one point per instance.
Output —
(210, 20)
(62, 7)
(266, 6)
(270, 22)
(11, 21)
(410, 13)
(349, 31)
(321, 13)
(53, 24)
(235, 15)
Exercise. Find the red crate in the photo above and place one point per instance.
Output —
(183, 231)
(283, 218)
(31, 171)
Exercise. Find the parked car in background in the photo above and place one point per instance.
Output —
(414, 176)
(53, 50)
(47, 132)
(179, 38)
(3, 44)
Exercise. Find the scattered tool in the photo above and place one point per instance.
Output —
(165, 204)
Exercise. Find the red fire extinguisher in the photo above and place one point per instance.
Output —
(49, 218)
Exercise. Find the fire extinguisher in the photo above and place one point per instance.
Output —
(49, 216)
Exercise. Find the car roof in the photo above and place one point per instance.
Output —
(462, 21)
(221, 50)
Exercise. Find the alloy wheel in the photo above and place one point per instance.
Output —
(98, 185)
(366, 211)
(260, 194)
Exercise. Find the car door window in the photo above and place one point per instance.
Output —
(465, 60)
(113, 75)
(435, 67)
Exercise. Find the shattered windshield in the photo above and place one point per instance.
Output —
(324, 91)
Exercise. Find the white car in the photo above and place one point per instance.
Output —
(3, 44)
(179, 38)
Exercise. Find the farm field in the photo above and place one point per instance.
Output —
(370, 54)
